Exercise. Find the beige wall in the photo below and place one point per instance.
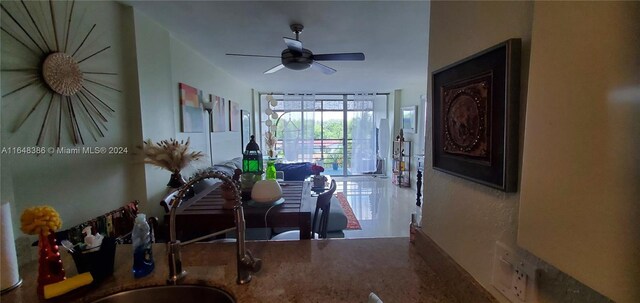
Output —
(465, 218)
(579, 200)
(78, 186)
(149, 63)
(163, 62)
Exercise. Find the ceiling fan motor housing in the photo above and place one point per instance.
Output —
(296, 60)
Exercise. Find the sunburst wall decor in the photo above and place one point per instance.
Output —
(49, 77)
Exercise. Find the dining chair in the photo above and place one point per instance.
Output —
(323, 203)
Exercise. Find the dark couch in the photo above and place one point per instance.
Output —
(295, 171)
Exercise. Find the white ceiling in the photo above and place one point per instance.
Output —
(393, 35)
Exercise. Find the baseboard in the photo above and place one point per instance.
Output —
(458, 280)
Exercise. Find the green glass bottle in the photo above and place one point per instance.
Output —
(271, 170)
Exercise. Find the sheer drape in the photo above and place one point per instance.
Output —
(298, 127)
(363, 149)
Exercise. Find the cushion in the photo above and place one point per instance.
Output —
(295, 171)
(233, 163)
(337, 218)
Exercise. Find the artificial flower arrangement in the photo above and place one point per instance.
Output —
(316, 169)
(44, 221)
(169, 154)
(40, 220)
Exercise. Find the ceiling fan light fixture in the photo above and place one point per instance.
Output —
(296, 57)
(297, 61)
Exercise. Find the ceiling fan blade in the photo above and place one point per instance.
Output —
(339, 57)
(274, 69)
(244, 55)
(323, 68)
(293, 44)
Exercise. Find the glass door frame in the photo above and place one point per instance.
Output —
(345, 126)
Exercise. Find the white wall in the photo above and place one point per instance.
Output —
(579, 200)
(163, 62)
(465, 218)
(78, 186)
(411, 97)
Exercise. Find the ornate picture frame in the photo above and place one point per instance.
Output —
(476, 117)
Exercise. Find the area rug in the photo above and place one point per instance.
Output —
(352, 221)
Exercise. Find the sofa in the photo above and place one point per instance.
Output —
(295, 171)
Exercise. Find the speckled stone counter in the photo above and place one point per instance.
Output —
(292, 271)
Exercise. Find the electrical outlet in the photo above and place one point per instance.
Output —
(513, 276)
(519, 284)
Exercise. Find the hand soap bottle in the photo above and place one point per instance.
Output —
(142, 254)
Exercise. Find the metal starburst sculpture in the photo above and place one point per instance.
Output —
(73, 96)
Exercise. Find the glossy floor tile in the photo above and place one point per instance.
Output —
(382, 209)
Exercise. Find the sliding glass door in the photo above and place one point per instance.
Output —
(343, 137)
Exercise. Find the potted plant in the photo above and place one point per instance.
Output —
(170, 155)
(334, 163)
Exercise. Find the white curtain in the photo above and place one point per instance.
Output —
(363, 148)
(298, 134)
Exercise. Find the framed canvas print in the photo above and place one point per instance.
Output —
(219, 114)
(476, 117)
(245, 125)
(234, 116)
(190, 105)
(409, 119)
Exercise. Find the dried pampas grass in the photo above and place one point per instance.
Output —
(169, 154)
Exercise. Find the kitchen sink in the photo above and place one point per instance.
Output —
(170, 294)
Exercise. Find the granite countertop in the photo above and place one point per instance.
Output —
(335, 270)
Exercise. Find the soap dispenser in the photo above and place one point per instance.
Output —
(142, 255)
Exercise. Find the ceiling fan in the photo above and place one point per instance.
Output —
(298, 58)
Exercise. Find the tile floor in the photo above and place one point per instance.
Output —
(383, 209)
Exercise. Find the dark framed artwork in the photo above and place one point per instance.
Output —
(476, 117)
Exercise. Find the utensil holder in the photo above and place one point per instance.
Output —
(98, 263)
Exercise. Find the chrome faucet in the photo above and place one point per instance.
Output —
(246, 263)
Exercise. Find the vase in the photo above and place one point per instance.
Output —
(319, 180)
(50, 269)
(176, 181)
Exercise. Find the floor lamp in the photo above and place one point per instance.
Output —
(208, 106)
